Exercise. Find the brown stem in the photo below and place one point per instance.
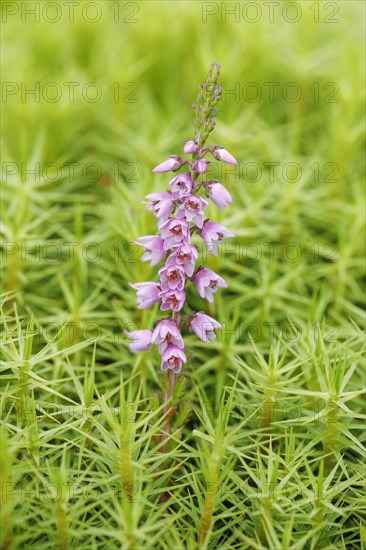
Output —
(168, 397)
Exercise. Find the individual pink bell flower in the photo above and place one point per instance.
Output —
(201, 166)
(172, 277)
(172, 299)
(207, 282)
(167, 333)
(141, 340)
(204, 326)
(181, 185)
(161, 204)
(192, 209)
(172, 164)
(172, 358)
(212, 234)
(153, 247)
(189, 147)
(186, 256)
(147, 294)
(175, 231)
(219, 194)
(222, 154)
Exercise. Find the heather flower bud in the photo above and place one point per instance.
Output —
(172, 164)
(141, 340)
(201, 166)
(189, 147)
(214, 72)
(222, 154)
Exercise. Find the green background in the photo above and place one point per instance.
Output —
(267, 446)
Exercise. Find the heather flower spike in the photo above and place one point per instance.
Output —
(181, 214)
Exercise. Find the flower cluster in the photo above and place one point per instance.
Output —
(181, 213)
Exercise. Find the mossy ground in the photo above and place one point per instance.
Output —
(267, 446)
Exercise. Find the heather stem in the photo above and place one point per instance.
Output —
(168, 397)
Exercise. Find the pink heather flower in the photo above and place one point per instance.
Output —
(175, 231)
(207, 282)
(172, 164)
(201, 166)
(186, 255)
(172, 277)
(219, 194)
(172, 299)
(221, 153)
(141, 340)
(192, 209)
(180, 212)
(181, 185)
(212, 234)
(161, 204)
(189, 147)
(204, 326)
(153, 247)
(167, 333)
(147, 294)
(172, 358)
